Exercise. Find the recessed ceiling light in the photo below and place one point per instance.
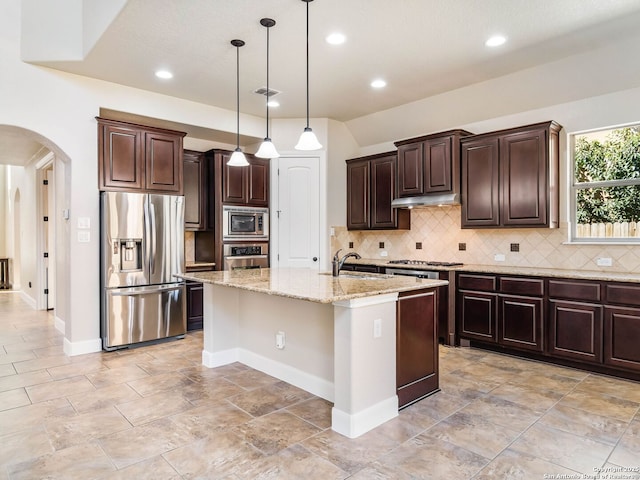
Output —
(495, 41)
(379, 83)
(336, 39)
(166, 74)
(273, 103)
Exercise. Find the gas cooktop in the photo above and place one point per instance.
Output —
(425, 262)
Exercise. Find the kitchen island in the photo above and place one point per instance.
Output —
(337, 334)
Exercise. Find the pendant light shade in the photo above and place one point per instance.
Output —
(237, 157)
(308, 139)
(267, 148)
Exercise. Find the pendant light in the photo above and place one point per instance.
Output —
(308, 140)
(267, 148)
(237, 157)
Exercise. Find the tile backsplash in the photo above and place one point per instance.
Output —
(189, 246)
(438, 230)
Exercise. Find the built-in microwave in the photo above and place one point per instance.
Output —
(243, 223)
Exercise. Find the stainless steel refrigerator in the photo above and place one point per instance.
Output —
(142, 247)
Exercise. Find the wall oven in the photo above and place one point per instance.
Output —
(244, 223)
(245, 255)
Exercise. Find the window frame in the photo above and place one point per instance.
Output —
(574, 187)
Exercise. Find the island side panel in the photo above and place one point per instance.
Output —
(365, 364)
(220, 325)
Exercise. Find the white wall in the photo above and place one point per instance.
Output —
(61, 108)
(4, 212)
(23, 179)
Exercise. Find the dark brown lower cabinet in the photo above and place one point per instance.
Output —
(590, 324)
(622, 334)
(195, 307)
(575, 331)
(416, 346)
(477, 316)
(520, 322)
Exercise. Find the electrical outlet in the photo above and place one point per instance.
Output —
(462, 247)
(280, 340)
(604, 262)
(377, 328)
(499, 257)
(332, 232)
(383, 253)
(515, 247)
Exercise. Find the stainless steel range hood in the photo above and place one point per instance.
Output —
(427, 201)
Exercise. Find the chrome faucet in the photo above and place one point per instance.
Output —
(338, 262)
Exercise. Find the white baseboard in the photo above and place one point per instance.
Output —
(80, 348)
(354, 425)
(311, 383)
(28, 299)
(218, 359)
(59, 324)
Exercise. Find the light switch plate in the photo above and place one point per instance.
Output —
(84, 236)
(84, 222)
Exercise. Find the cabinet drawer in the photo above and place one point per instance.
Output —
(623, 293)
(522, 286)
(477, 282)
(575, 290)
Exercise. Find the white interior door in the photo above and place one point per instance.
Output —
(297, 213)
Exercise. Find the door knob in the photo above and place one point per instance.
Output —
(315, 259)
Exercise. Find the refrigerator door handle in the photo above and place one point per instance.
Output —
(154, 233)
(128, 292)
(147, 233)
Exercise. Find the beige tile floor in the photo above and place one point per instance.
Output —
(155, 413)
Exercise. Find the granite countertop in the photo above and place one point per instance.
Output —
(311, 285)
(511, 270)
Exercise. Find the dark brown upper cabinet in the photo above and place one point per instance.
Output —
(510, 177)
(246, 185)
(371, 183)
(196, 204)
(137, 158)
(429, 164)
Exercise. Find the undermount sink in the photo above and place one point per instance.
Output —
(360, 276)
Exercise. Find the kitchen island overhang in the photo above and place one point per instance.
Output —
(340, 334)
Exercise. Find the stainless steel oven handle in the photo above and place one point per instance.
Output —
(244, 257)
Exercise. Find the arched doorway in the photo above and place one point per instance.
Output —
(34, 158)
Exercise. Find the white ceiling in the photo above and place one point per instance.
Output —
(420, 47)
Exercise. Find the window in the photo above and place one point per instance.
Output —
(605, 192)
